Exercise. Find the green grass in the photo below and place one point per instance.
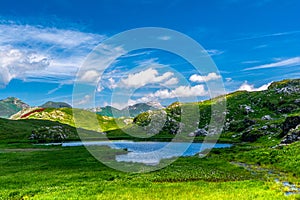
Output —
(72, 173)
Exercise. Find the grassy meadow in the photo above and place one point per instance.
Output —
(52, 172)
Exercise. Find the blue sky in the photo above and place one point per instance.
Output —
(44, 43)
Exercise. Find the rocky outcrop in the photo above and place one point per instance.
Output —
(51, 134)
(266, 117)
(290, 123)
(292, 136)
(198, 132)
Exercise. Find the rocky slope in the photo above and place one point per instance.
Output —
(11, 106)
(249, 115)
(272, 115)
(35, 130)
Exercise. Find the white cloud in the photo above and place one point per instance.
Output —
(228, 79)
(15, 63)
(249, 87)
(200, 79)
(112, 83)
(172, 81)
(36, 53)
(13, 34)
(145, 77)
(181, 91)
(283, 63)
(55, 89)
(90, 76)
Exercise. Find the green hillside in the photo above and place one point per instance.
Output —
(271, 115)
(130, 111)
(23, 130)
(249, 115)
(52, 104)
(65, 116)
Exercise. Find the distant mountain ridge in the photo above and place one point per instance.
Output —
(272, 114)
(11, 106)
(129, 111)
(14, 108)
(52, 104)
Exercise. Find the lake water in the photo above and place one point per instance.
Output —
(151, 153)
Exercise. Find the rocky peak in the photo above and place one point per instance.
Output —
(15, 101)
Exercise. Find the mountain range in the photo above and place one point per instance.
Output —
(129, 111)
(12, 107)
(269, 115)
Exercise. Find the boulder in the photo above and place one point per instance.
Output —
(266, 117)
(198, 132)
(292, 136)
(289, 123)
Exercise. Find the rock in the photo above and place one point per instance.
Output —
(201, 131)
(251, 136)
(289, 123)
(287, 108)
(50, 134)
(248, 109)
(266, 117)
(191, 134)
(297, 101)
(264, 127)
(288, 90)
(292, 136)
(198, 132)
(249, 122)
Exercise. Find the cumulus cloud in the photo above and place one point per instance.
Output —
(172, 81)
(148, 76)
(90, 76)
(200, 79)
(282, 63)
(249, 87)
(112, 83)
(17, 63)
(181, 91)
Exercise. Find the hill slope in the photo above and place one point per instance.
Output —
(249, 115)
(130, 111)
(52, 104)
(11, 106)
(65, 116)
